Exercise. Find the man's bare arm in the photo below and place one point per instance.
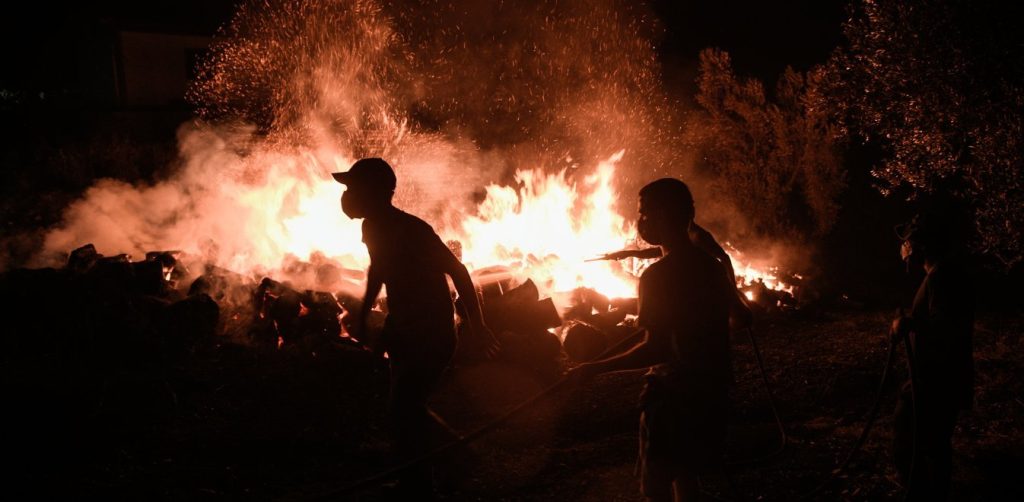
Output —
(652, 351)
(373, 286)
(467, 293)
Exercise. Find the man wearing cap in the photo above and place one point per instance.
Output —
(939, 326)
(408, 257)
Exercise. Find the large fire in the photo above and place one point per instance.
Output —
(548, 228)
(259, 200)
(544, 228)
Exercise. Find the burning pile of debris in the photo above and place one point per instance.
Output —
(158, 309)
(765, 300)
(126, 308)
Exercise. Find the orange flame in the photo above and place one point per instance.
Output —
(544, 229)
(547, 229)
(747, 273)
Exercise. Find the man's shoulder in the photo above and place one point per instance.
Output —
(397, 221)
(685, 269)
(665, 273)
(657, 269)
(682, 261)
(412, 219)
(413, 226)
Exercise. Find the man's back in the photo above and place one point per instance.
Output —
(943, 313)
(688, 295)
(407, 254)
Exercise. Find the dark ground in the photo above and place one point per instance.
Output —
(231, 422)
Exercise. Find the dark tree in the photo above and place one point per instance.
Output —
(937, 84)
(775, 160)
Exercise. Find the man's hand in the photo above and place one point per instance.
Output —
(489, 344)
(583, 373)
(355, 326)
(740, 315)
(900, 327)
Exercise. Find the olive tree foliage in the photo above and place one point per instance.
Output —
(939, 86)
(776, 159)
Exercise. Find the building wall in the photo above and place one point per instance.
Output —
(155, 68)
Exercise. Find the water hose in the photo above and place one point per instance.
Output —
(468, 438)
(783, 437)
(872, 415)
(551, 389)
(914, 416)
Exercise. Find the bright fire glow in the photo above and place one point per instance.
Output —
(548, 228)
(335, 78)
(545, 228)
(747, 274)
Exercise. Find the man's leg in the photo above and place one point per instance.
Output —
(655, 477)
(410, 426)
(417, 429)
(687, 484)
(903, 436)
(938, 450)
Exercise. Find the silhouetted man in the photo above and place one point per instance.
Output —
(685, 299)
(740, 316)
(940, 326)
(419, 333)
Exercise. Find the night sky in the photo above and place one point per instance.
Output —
(762, 37)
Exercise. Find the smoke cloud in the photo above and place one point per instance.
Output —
(455, 95)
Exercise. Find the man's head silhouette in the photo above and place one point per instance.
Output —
(666, 210)
(370, 185)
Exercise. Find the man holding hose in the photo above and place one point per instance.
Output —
(685, 303)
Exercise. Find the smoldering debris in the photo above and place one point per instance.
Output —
(171, 304)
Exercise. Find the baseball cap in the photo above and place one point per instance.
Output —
(371, 172)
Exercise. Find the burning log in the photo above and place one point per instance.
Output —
(278, 306)
(596, 310)
(82, 259)
(321, 321)
(119, 275)
(584, 342)
(320, 272)
(307, 319)
(166, 258)
(521, 320)
(173, 270)
(586, 302)
(493, 281)
(763, 299)
(236, 297)
(374, 321)
(521, 310)
(222, 285)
